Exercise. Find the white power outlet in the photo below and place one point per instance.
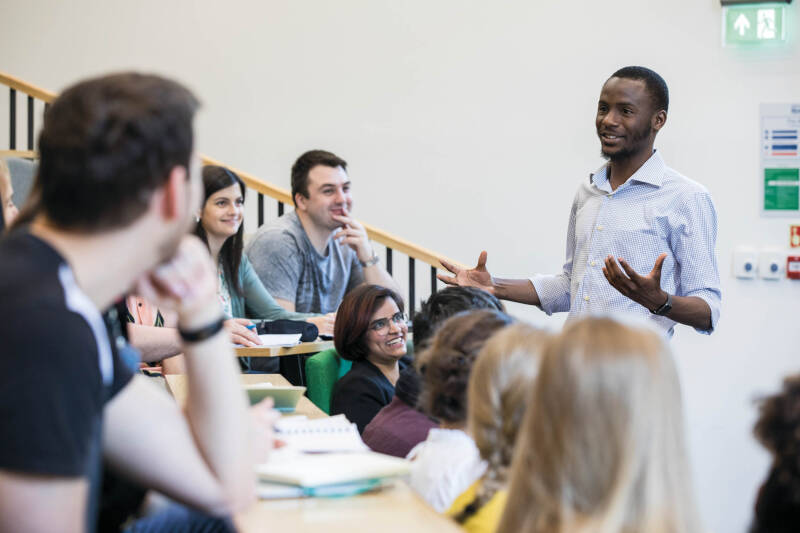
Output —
(745, 263)
(771, 264)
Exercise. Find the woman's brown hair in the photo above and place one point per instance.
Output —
(354, 316)
(446, 364)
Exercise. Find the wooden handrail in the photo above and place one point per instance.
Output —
(27, 88)
(22, 154)
(278, 193)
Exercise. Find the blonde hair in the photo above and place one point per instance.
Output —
(602, 447)
(499, 388)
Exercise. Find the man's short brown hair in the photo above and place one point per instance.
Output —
(107, 143)
(305, 163)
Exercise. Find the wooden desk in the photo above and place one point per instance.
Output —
(395, 510)
(277, 351)
(178, 386)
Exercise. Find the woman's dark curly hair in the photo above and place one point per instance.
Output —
(446, 364)
(777, 508)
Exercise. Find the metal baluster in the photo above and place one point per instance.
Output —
(433, 280)
(260, 209)
(411, 286)
(389, 260)
(280, 209)
(30, 122)
(12, 115)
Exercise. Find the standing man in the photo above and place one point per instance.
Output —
(116, 191)
(641, 237)
(309, 258)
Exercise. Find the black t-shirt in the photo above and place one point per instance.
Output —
(362, 392)
(59, 367)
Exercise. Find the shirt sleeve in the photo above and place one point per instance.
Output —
(693, 245)
(258, 302)
(51, 392)
(278, 262)
(554, 289)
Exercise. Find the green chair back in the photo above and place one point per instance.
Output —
(323, 370)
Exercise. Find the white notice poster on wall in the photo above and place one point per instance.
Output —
(779, 173)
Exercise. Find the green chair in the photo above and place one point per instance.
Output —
(323, 370)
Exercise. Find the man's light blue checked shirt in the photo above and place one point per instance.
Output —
(657, 210)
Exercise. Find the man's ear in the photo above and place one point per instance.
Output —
(173, 194)
(658, 120)
(300, 201)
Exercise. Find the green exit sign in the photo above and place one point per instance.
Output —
(753, 24)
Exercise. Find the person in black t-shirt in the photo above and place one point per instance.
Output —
(117, 187)
(371, 331)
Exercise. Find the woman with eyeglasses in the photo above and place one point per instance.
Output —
(371, 331)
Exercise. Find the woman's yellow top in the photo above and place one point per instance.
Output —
(487, 518)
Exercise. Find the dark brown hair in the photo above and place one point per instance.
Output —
(446, 365)
(354, 316)
(106, 144)
(305, 163)
(215, 179)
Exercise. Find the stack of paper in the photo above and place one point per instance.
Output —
(289, 473)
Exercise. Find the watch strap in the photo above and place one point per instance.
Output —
(665, 308)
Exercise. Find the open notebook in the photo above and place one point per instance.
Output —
(332, 434)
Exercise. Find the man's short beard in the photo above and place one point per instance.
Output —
(626, 153)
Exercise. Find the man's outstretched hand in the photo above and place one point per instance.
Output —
(475, 277)
(644, 290)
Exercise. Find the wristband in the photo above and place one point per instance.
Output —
(201, 334)
(371, 261)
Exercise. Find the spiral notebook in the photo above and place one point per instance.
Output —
(321, 435)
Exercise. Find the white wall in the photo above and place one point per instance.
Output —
(469, 125)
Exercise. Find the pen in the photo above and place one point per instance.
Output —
(251, 327)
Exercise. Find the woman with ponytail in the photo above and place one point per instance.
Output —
(447, 462)
(498, 395)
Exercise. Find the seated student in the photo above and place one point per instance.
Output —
(8, 211)
(777, 508)
(309, 258)
(499, 390)
(602, 447)
(241, 292)
(116, 190)
(400, 426)
(447, 462)
(371, 331)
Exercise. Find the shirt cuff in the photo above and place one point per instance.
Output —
(712, 299)
(553, 292)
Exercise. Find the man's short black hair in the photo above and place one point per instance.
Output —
(655, 84)
(305, 163)
(446, 303)
(107, 143)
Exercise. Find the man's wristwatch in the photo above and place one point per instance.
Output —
(371, 261)
(665, 308)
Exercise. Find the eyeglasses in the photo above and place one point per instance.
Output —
(381, 326)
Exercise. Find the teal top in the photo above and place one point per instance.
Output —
(255, 302)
